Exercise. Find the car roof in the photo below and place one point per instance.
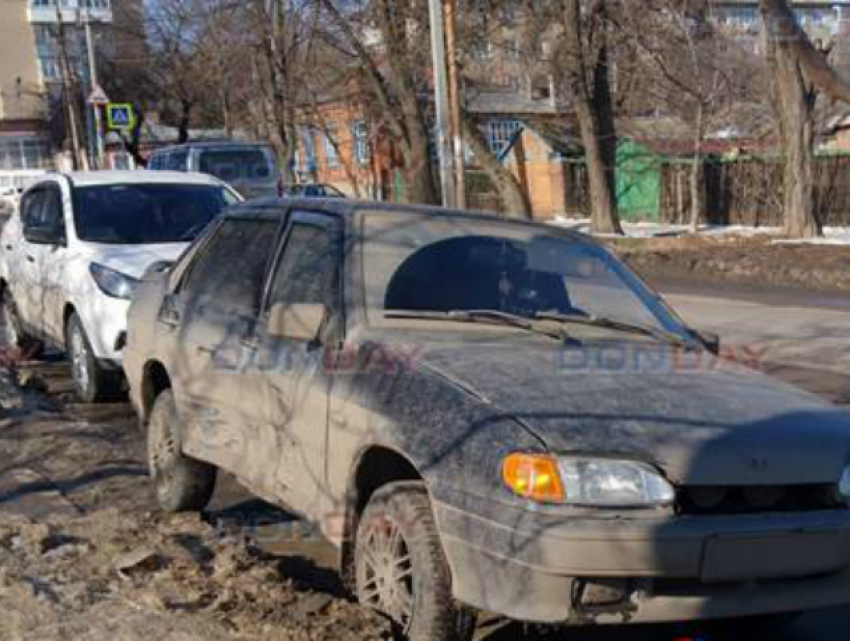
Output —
(100, 178)
(275, 208)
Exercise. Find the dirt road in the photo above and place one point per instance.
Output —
(85, 555)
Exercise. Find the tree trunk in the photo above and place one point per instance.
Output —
(420, 187)
(697, 173)
(587, 65)
(185, 120)
(795, 99)
(796, 103)
(510, 191)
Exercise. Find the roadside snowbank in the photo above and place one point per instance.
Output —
(832, 235)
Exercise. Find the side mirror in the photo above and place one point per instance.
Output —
(159, 267)
(300, 322)
(709, 340)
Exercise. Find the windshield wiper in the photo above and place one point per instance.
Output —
(486, 316)
(610, 323)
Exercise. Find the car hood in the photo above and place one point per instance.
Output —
(702, 420)
(133, 260)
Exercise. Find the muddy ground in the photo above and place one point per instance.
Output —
(84, 554)
(738, 260)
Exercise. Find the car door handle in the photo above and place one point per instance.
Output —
(30, 259)
(9, 248)
(208, 351)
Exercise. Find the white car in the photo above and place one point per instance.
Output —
(71, 257)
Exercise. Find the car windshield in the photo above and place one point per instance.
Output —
(236, 164)
(426, 266)
(135, 214)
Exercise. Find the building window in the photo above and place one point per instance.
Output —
(500, 133)
(24, 153)
(49, 69)
(305, 156)
(362, 152)
(331, 141)
(70, 4)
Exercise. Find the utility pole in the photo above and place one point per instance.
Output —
(456, 105)
(69, 96)
(94, 86)
(441, 99)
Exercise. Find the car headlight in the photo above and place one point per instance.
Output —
(113, 283)
(587, 482)
(844, 485)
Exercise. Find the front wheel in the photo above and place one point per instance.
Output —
(92, 383)
(401, 570)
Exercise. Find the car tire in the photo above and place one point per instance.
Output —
(397, 537)
(28, 347)
(92, 383)
(182, 484)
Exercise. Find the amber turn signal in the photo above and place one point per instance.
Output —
(533, 476)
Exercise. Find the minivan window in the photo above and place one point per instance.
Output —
(136, 214)
(235, 164)
(231, 268)
(178, 160)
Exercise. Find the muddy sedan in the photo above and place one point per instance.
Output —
(486, 415)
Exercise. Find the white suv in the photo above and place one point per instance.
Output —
(71, 257)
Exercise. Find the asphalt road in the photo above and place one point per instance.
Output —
(799, 337)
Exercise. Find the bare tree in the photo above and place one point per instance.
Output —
(389, 42)
(686, 71)
(798, 72)
(586, 43)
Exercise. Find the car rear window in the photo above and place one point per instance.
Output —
(236, 164)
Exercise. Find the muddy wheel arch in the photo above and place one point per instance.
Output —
(375, 467)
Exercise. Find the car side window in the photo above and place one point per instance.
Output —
(42, 215)
(32, 205)
(54, 213)
(308, 270)
(230, 270)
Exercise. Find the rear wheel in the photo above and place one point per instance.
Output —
(92, 383)
(26, 345)
(182, 484)
(401, 570)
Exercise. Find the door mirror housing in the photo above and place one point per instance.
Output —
(300, 322)
(709, 340)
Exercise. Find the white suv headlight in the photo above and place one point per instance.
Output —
(609, 483)
(113, 283)
(844, 485)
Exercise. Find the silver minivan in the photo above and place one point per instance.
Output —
(250, 168)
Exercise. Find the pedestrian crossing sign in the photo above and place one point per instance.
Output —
(120, 117)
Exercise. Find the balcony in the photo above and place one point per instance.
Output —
(70, 11)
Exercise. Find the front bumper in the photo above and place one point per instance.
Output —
(105, 322)
(541, 567)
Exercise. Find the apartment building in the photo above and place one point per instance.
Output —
(32, 35)
(827, 22)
